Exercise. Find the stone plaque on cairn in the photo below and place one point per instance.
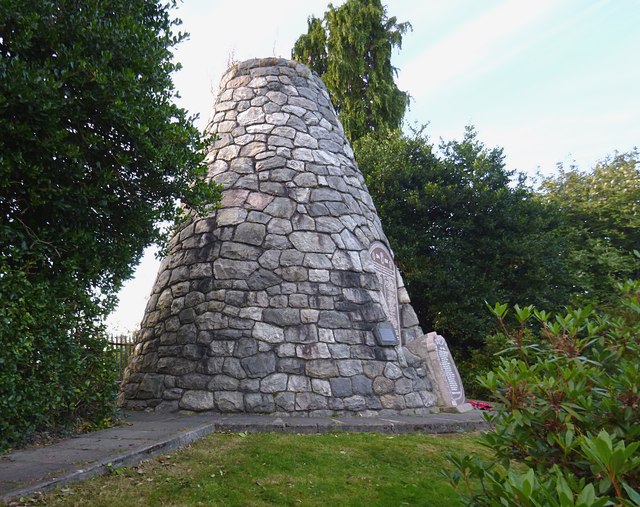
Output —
(386, 272)
(271, 303)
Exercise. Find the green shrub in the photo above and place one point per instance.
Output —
(567, 426)
(96, 162)
(478, 363)
(54, 370)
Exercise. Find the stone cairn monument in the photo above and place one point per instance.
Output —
(286, 299)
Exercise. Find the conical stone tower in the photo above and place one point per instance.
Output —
(286, 299)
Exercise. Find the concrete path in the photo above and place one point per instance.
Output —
(142, 435)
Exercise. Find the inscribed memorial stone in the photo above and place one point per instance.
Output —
(447, 379)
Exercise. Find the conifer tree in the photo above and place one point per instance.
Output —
(350, 49)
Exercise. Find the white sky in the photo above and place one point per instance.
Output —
(548, 80)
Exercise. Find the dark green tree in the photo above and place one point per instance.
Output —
(350, 49)
(94, 157)
(463, 232)
(602, 213)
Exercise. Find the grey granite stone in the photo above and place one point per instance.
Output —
(259, 403)
(285, 401)
(229, 401)
(299, 383)
(392, 371)
(251, 233)
(291, 365)
(233, 367)
(321, 368)
(303, 333)
(312, 242)
(274, 383)
(268, 333)
(281, 316)
(349, 367)
(223, 383)
(355, 403)
(197, 401)
(320, 386)
(310, 401)
(341, 387)
(383, 385)
(259, 365)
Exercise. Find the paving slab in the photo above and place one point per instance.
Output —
(23, 473)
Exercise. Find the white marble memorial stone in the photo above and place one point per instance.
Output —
(447, 382)
(449, 371)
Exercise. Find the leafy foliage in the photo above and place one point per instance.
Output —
(350, 49)
(602, 213)
(461, 232)
(54, 370)
(94, 156)
(567, 430)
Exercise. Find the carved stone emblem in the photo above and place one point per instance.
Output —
(386, 271)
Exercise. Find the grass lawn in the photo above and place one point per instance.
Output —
(259, 469)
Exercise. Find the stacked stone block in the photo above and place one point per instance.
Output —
(268, 305)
